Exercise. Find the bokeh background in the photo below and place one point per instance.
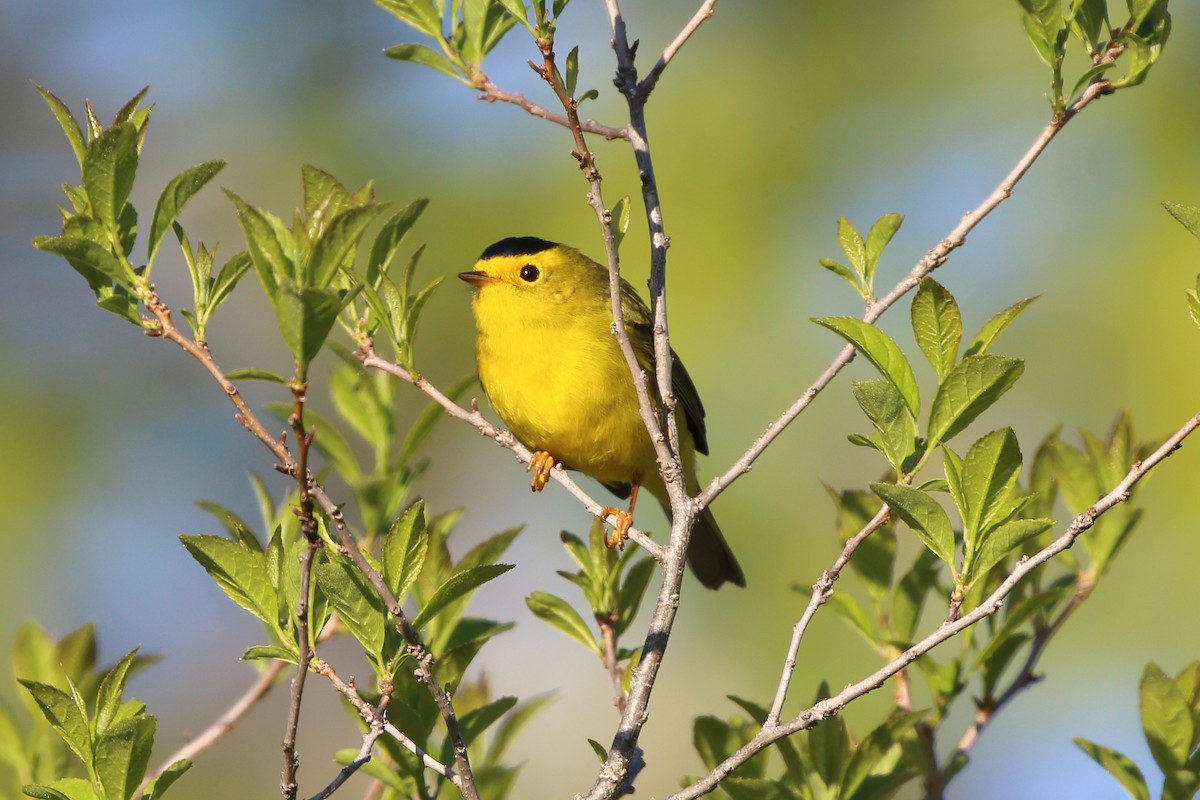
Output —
(776, 118)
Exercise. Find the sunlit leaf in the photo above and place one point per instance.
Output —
(880, 350)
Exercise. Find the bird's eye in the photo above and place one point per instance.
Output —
(529, 273)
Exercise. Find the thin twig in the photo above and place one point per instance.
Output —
(989, 606)
(822, 590)
(222, 726)
(647, 84)
(608, 635)
(493, 93)
(308, 528)
(377, 725)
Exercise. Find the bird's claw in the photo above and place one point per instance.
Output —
(540, 464)
(620, 532)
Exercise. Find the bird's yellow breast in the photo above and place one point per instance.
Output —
(561, 384)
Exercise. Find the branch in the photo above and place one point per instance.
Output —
(611, 665)
(706, 10)
(367, 355)
(821, 592)
(928, 263)
(377, 725)
(308, 528)
(493, 93)
(166, 329)
(810, 717)
(222, 726)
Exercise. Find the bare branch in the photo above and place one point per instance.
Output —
(493, 93)
(706, 10)
(821, 592)
(223, 725)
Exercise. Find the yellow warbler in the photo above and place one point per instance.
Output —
(555, 374)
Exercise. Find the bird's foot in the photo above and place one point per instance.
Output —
(620, 532)
(540, 464)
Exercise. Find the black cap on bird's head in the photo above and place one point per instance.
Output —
(517, 246)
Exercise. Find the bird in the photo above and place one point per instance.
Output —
(556, 375)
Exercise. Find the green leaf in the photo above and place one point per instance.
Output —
(255, 374)
(95, 263)
(1193, 304)
(338, 242)
(849, 609)
(356, 602)
(430, 416)
(993, 327)
(389, 237)
(1187, 216)
(969, 390)
(872, 751)
(572, 76)
(853, 246)
(1121, 768)
(1088, 20)
(633, 589)
(937, 326)
(109, 698)
(458, 585)
(878, 237)
(923, 514)
(66, 121)
(517, 9)
(174, 196)
(109, 166)
(512, 725)
(829, 744)
(989, 473)
(240, 573)
(909, 597)
(1037, 605)
(1166, 718)
(884, 406)
(420, 54)
(875, 557)
(123, 754)
(168, 776)
(62, 789)
(269, 652)
(1044, 22)
(305, 317)
(842, 271)
(1003, 540)
(559, 613)
(404, 550)
(880, 350)
(65, 713)
(619, 220)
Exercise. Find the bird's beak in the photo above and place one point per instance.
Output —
(477, 279)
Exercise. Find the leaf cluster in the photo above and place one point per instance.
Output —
(824, 762)
(1050, 28)
(613, 583)
(83, 740)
